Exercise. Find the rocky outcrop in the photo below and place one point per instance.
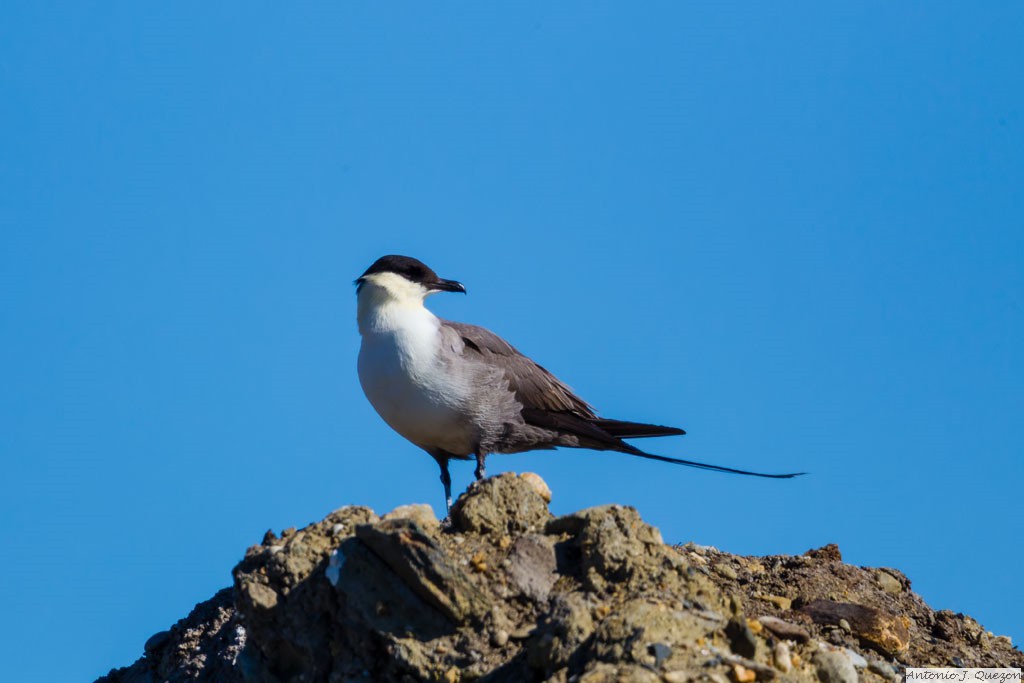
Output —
(507, 592)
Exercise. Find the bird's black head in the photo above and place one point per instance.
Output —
(412, 270)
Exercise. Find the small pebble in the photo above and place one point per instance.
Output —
(845, 625)
(783, 661)
(779, 601)
(742, 674)
(538, 485)
(833, 667)
(479, 562)
(784, 629)
(726, 571)
(661, 652)
(156, 641)
(675, 677)
(452, 675)
(884, 669)
(420, 513)
(499, 638)
(856, 658)
(888, 582)
(741, 640)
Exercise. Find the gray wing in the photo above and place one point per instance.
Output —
(534, 387)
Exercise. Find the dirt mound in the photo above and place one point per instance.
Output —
(507, 592)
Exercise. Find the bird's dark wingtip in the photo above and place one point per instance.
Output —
(624, 429)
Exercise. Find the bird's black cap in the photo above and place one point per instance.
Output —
(413, 270)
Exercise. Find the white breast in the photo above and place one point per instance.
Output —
(402, 376)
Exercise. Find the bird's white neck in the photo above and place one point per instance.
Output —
(391, 304)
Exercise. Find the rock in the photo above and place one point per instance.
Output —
(612, 673)
(784, 629)
(259, 596)
(156, 641)
(762, 672)
(614, 544)
(726, 571)
(742, 674)
(557, 640)
(888, 583)
(629, 631)
(421, 513)
(479, 562)
(833, 667)
(381, 602)
(890, 634)
(660, 652)
(205, 646)
(779, 601)
(538, 484)
(531, 566)
(828, 553)
(741, 639)
(507, 594)
(885, 670)
(855, 658)
(418, 560)
(781, 657)
(505, 504)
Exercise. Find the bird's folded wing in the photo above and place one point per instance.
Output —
(534, 387)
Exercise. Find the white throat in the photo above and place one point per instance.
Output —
(387, 302)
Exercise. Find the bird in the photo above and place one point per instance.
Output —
(461, 392)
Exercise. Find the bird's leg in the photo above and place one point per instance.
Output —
(446, 479)
(481, 470)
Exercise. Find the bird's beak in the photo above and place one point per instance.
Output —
(448, 286)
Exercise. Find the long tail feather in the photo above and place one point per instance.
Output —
(705, 466)
(594, 433)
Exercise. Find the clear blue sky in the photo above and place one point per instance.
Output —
(795, 230)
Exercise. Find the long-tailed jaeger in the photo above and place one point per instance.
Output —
(461, 392)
